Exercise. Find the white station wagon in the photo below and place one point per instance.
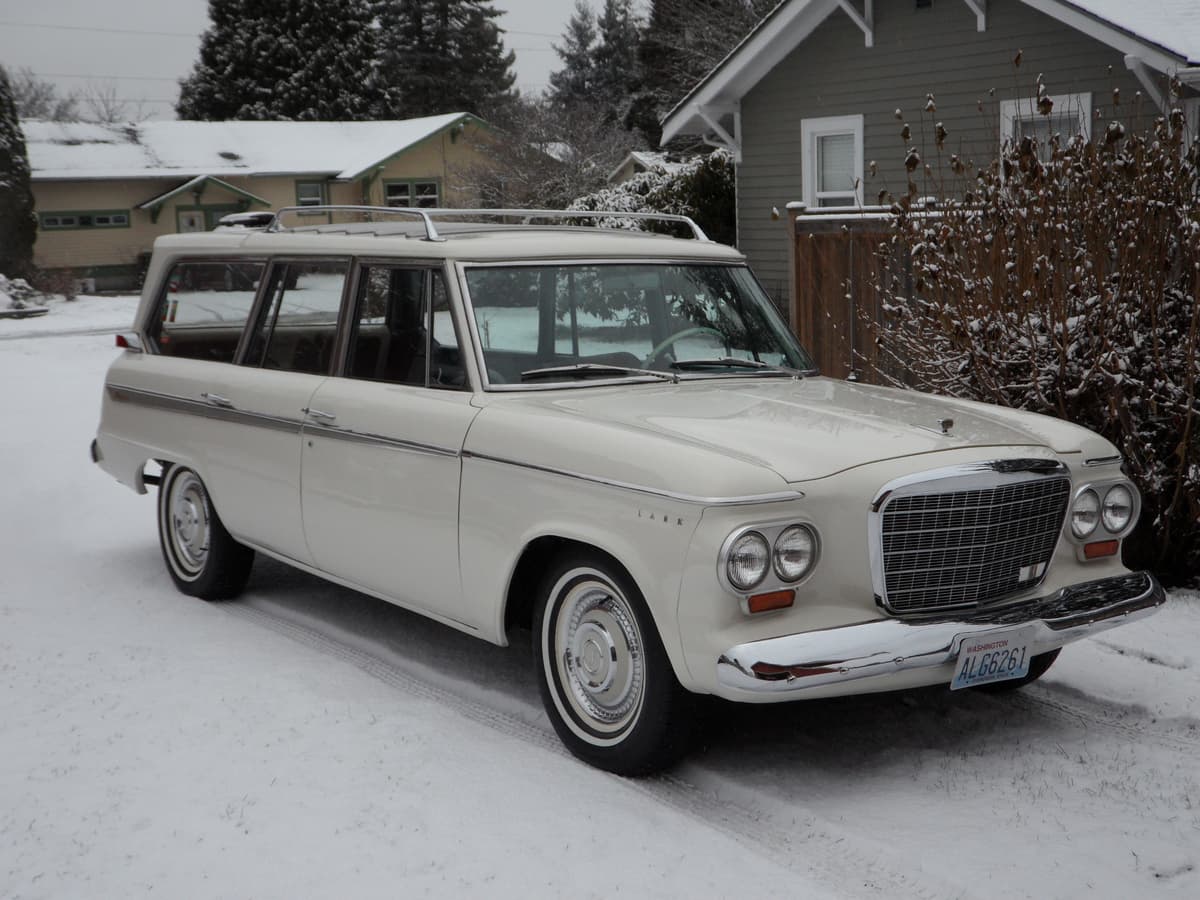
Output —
(611, 439)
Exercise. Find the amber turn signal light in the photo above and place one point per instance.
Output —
(1098, 549)
(771, 600)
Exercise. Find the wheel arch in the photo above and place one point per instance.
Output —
(520, 596)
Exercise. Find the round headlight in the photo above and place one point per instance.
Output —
(795, 552)
(749, 559)
(1118, 508)
(1085, 513)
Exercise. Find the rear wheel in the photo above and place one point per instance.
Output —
(605, 679)
(202, 557)
(1037, 668)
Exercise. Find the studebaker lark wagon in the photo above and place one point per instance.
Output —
(609, 438)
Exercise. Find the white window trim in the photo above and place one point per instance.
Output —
(1191, 115)
(810, 131)
(1026, 109)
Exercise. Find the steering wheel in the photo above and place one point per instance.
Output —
(667, 344)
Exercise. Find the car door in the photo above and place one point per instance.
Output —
(382, 446)
(287, 355)
(225, 419)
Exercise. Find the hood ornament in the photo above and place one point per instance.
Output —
(945, 425)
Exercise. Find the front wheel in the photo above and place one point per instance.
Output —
(202, 557)
(605, 679)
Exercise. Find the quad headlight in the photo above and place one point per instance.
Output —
(751, 555)
(1103, 510)
(748, 561)
(1085, 513)
(795, 552)
(1117, 510)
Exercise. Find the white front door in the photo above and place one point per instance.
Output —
(191, 220)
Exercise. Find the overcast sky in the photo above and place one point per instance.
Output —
(143, 47)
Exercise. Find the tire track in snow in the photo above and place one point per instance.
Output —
(1129, 723)
(806, 844)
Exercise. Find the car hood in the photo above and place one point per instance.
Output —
(814, 427)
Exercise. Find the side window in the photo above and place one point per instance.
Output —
(297, 327)
(403, 331)
(204, 307)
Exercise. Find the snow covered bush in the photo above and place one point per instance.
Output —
(16, 293)
(702, 189)
(1065, 279)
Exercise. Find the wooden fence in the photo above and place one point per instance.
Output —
(836, 264)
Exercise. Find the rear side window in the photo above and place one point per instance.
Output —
(204, 307)
(297, 329)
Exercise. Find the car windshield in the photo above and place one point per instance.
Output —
(577, 322)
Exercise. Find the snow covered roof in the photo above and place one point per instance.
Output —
(343, 150)
(1162, 34)
(649, 161)
(1172, 25)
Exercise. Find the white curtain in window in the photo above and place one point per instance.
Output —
(835, 163)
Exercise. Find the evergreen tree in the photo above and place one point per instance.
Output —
(615, 58)
(575, 82)
(304, 60)
(18, 227)
(683, 41)
(441, 56)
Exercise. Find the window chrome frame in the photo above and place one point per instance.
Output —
(462, 266)
(147, 327)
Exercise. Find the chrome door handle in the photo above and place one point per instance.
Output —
(217, 400)
(317, 414)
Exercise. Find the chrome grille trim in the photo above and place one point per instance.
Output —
(966, 537)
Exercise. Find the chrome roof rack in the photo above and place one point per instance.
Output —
(426, 215)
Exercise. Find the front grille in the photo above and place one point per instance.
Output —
(960, 549)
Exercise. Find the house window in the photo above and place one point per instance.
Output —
(55, 221)
(1070, 115)
(831, 160)
(310, 193)
(423, 194)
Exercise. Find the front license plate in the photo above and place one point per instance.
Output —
(994, 656)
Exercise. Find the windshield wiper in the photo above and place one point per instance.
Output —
(590, 370)
(732, 362)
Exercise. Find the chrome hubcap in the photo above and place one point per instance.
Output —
(599, 657)
(189, 526)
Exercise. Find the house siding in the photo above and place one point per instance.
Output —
(114, 255)
(917, 52)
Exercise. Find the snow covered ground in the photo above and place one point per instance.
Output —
(307, 741)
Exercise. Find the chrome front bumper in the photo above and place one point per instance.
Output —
(796, 662)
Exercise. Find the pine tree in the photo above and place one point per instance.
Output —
(18, 227)
(683, 41)
(306, 60)
(441, 56)
(615, 58)
(575, 82)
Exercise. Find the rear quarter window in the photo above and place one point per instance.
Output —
(203, 308)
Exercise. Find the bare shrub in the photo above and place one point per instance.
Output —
(57, 281)
(1065, 279)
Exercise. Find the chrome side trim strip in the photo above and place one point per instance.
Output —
(750, 499)
(378, 440)
(787, 666)
(205, 410)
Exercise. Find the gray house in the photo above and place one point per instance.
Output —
(808, 101)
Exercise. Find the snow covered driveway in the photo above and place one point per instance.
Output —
(307, 741)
